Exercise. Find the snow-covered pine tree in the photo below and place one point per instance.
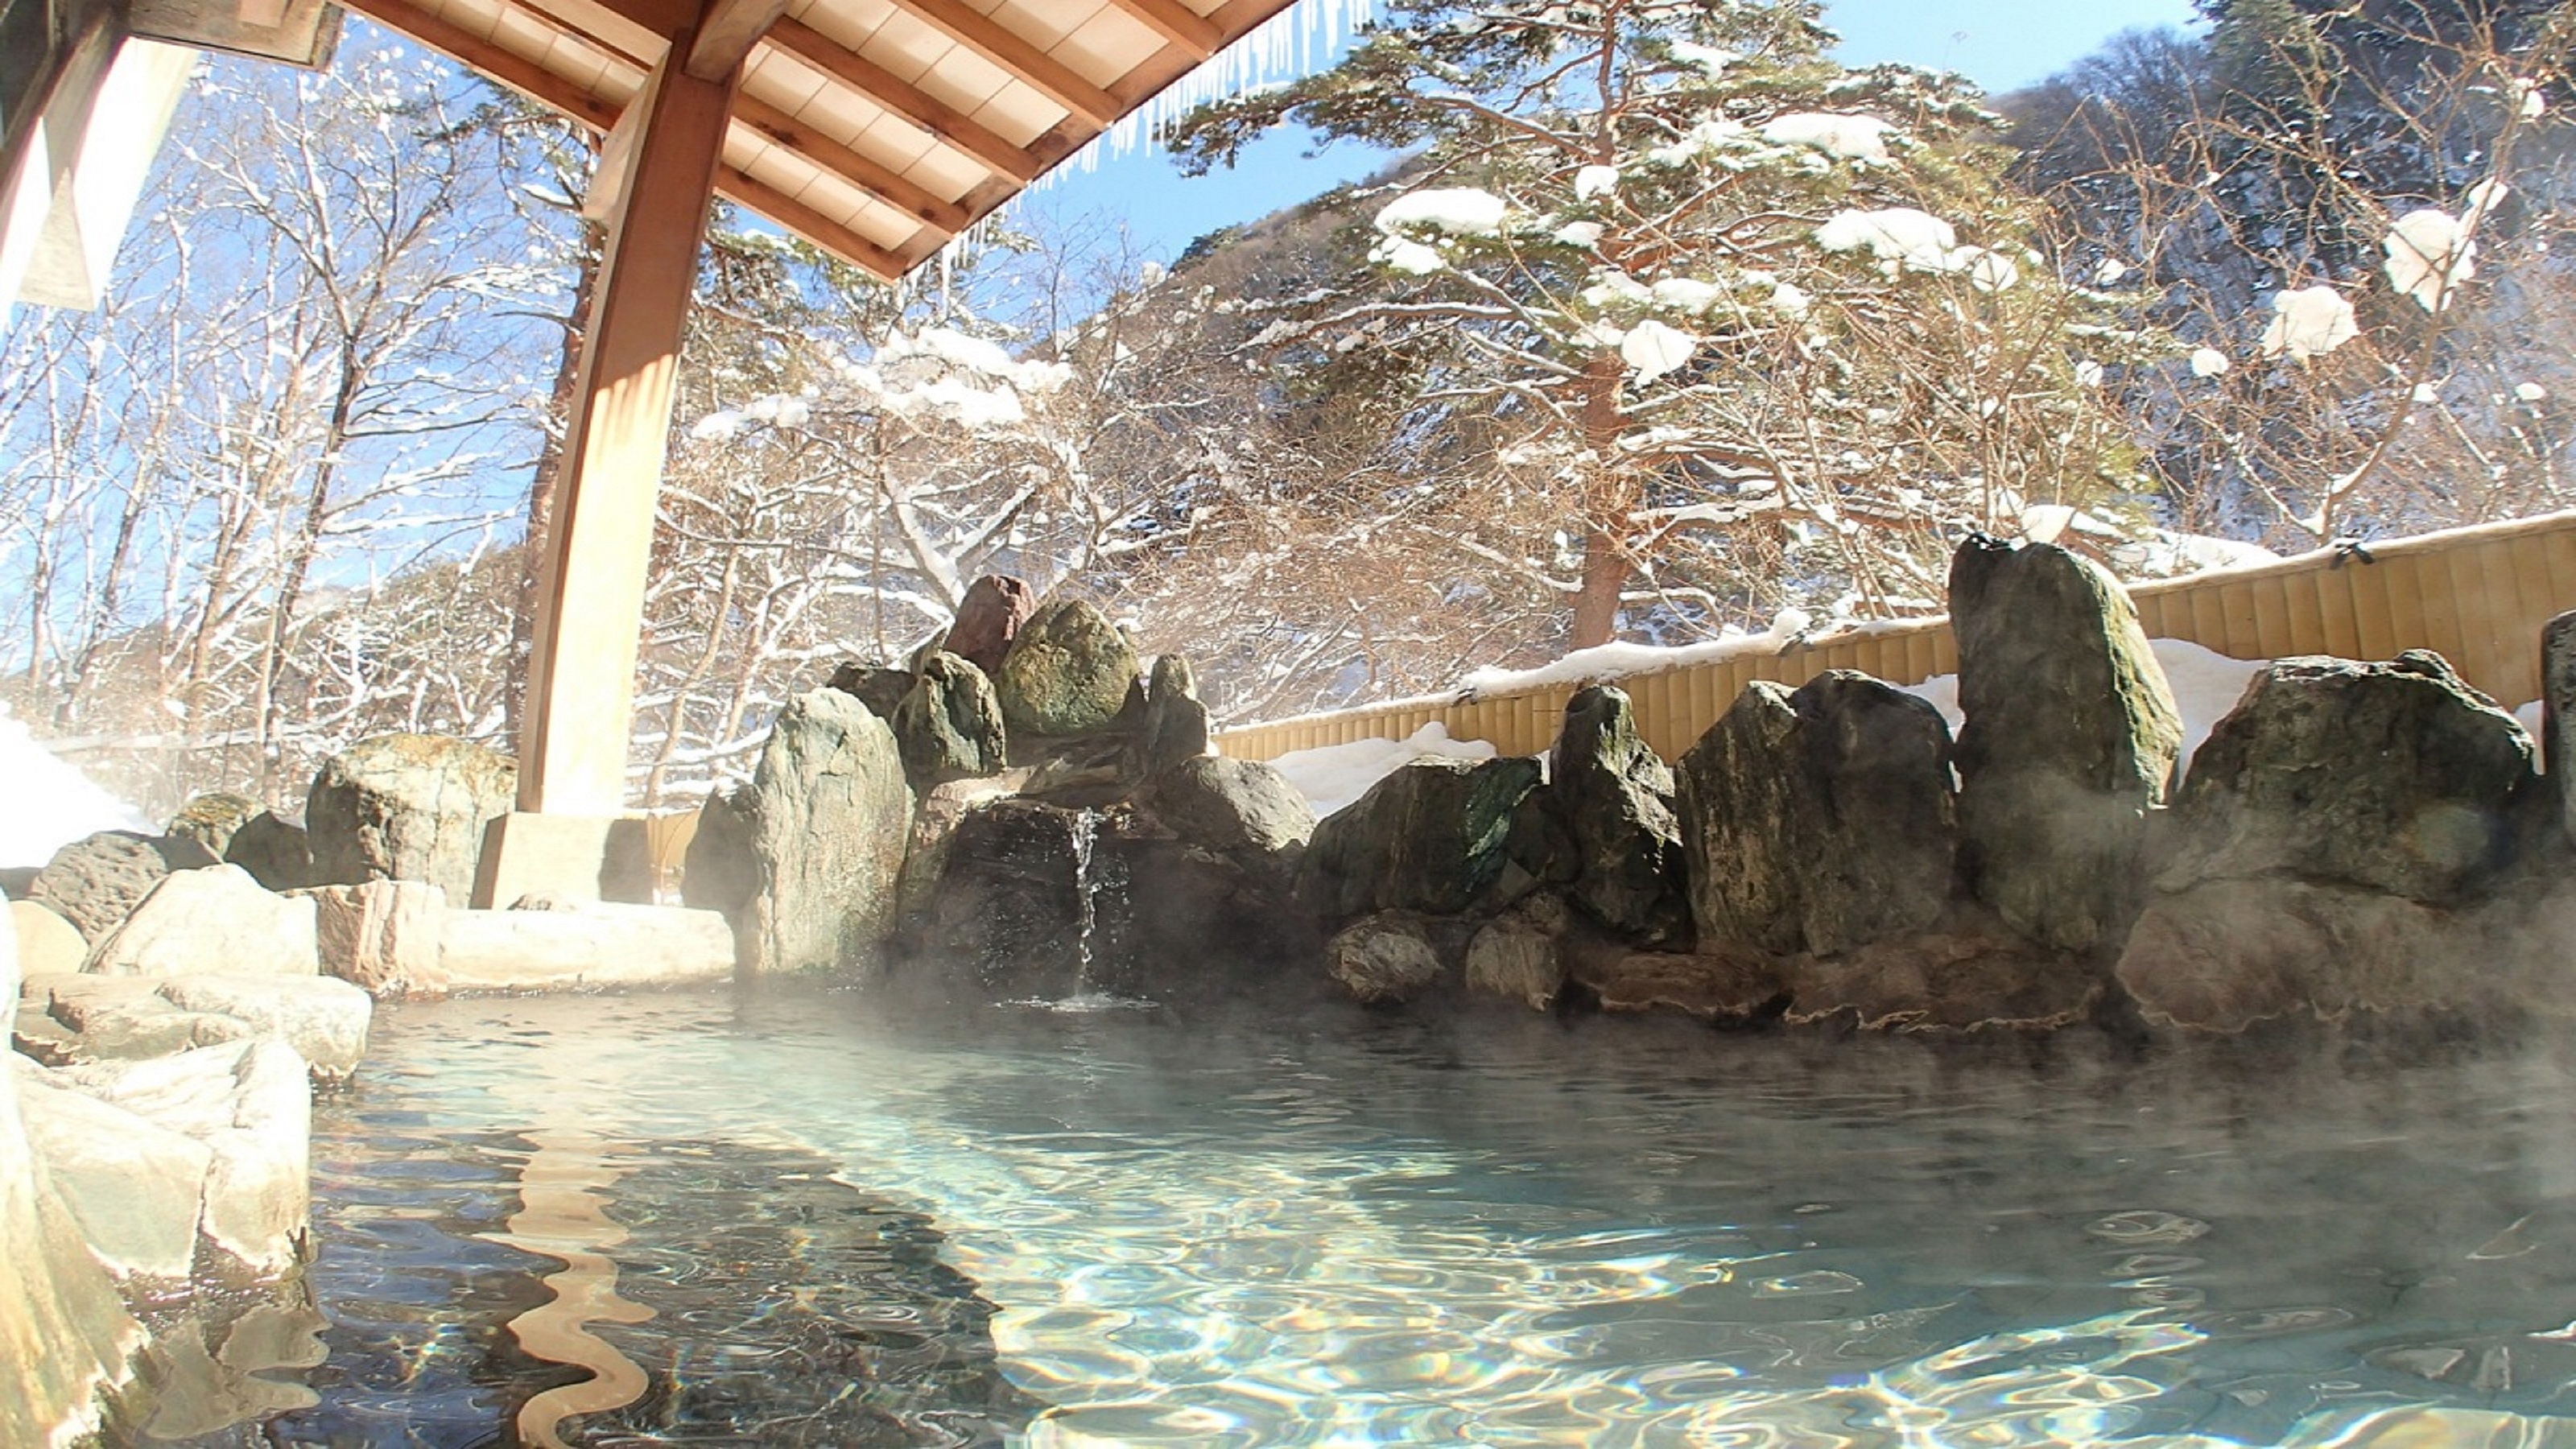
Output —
(1673, 275)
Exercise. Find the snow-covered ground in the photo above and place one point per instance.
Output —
(51, 804)
(1336, 775)
(2206, 685)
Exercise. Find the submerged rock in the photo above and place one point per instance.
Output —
(1727, 984)
(2394, 777)
(1520, 955)
(2070, 740)
(97, 881)
(1068, 673)
(949, 725)
(2223, 955)
(1615, 797)
(215, 921)
(1819, 819)
(829, 812)
(407, 807)
(996, 607)
(1949, 980)
(1432, 837)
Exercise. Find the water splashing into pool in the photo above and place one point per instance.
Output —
(1130, 1228)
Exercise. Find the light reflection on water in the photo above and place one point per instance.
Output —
(1353, 1229)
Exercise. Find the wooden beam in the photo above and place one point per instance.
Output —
(821, 230)
(858, 170)
(936, 118)
(620, 24)
(266, 14)
(727, 33)
(509, 68)
(1233, 20)
(1178, 24)
(988, 38)
(610, 173)
(599, 539)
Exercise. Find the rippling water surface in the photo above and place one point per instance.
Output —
(706, 1219)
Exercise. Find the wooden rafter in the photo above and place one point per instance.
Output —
(836, 62)
(510, 69)
(988, 38)
(897, 191)
(1178, 24)
(817, 228)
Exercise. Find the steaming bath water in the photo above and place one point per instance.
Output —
(795, 1220)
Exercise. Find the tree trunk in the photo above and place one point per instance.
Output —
(1596, 607)
(1605, 556)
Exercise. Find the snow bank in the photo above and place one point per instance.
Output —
(1337, 775)
(1616, 660)
(51, 804)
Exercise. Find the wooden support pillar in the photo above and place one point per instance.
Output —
(581, 679)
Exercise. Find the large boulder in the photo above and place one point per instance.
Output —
(2070, 739)
(2558, 715)
(128, 1018)
(1819, 819)
(935, 821)
(97, 881)
(949, 725)
(65, 1335)
(1615, 796)
(1175, 726)
(996, 607)
(1520, 955)
(1387, 959)
(382, 936)
(1016, 900)
(1434, 837)
(881, 687)
(211, 922)
(583, 944)
(135, 1187)
(46, 942)
(830, 811)
(719, 871)
(275, 852)
(325, 1021)
(2223, 955)
(248, 1102)
(1068, 672)
(2394, 777)
(211, 819)
(407, 807)
(1243, 808)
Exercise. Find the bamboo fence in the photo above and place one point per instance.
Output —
(2478, 596)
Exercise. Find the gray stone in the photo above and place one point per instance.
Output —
(325, 1021)
(878, 686)
(1616, 798)
(249, 1103)
(1946, 981)
(989, 617)
(2394, 777)
(46, 942)
(2558, 715)
(585, 944)
(134, 1186)
(65, 1334)
(1433, 837)
(1175, 722)
(1229, 806)
(407, 807)
(274, 851)
(97, 881)
(1068, 673)
(1819, 819)
(949, 726)
(211, 819)
(17, 880)
(2070, 740)
(1520, 954)
(830, 812)
(382, 936)
(1016, 900)
(2223, 955)
(935, 821)
(1386, 959)
(1724, 983)
(215, 921)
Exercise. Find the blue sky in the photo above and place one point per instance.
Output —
(2003, 44)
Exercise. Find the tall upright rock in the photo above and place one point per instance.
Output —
(2070, 740)
(1616, 799)
(407, 807)
(829, 813)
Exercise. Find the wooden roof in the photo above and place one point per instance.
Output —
(875, 129)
